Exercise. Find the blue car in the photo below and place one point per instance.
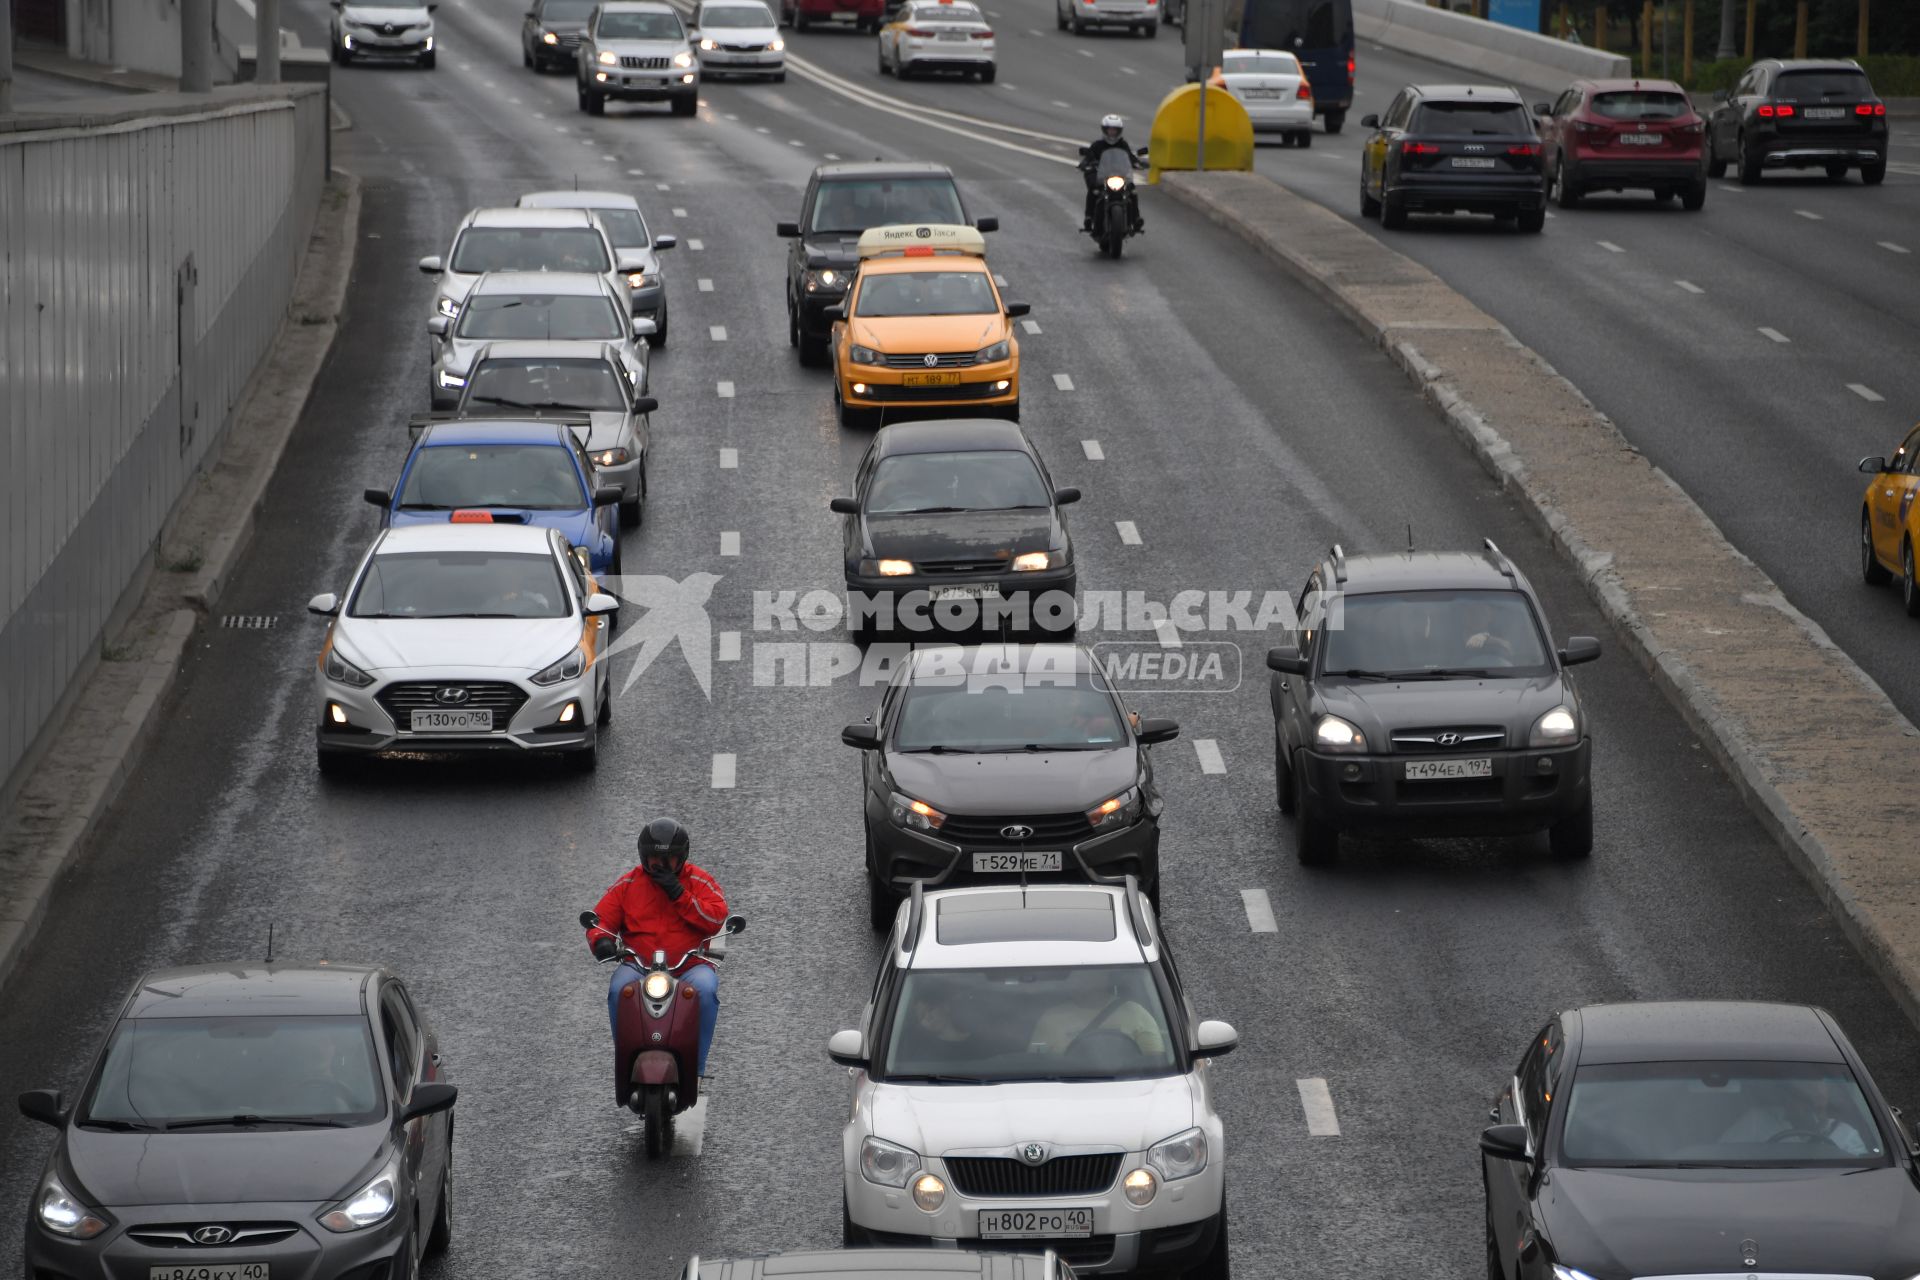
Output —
(504, 472)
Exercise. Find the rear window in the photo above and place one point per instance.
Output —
(1810, 86)
(482, 249)
(1640, 104)
(1261, 64)
(1497, 119)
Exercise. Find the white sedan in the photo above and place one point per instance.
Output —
(738, 37)
(1273, 87)
(464, 637)
(937, 35)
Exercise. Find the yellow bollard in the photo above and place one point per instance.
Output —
(1174, 142)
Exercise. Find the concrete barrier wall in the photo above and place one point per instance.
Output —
(1492, 52)
(146, 262)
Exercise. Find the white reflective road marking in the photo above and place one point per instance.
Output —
(678, 212)
(1093, 451)
(1064, 106)
(730, 543)
(690, 1129)
(759, 128)
(1891, 247)
(1689, 286)
(1774, 335)
(1085, 53)
(704, 285)
(724, 390)
(663, 186)
(1317, 1102)
(1031, 326)
(1865, 393)
(1209, 752)
(1128, 71)
(729, 646)
(1062, 382)
(1733, 190)
(1259, 911)
(559, 128)
(831, 156)
(610, 159)
(1609, 246)
(729, 459)
(1809, 215)
(695, 246)
(724, 767)
(636, 173)
(1000, 280)
(718, 332)
(1128, 533)
(795, 142)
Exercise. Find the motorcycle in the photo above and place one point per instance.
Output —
(656, 1039)
(1115, 207)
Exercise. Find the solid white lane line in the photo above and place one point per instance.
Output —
(729, 459)
(1093, 451)
(724, 390)
(1062, 382)
(1689, 286)
(730, 543)
(1891, 247)
(695, 246)
(725, 767)
(1774, 335)
(1609, 246)
(1865, 393)
(1129, 535)
(1167, 633)
(718, 332)
(729, 646)
(1317, 1102)
(678, 212)
(1809, 215)
(1209, 752)
(1031, 326)
(926, 117)
(704, 285)
(1259, 911)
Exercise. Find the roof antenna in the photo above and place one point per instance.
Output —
(269, 942)
(1409, 537)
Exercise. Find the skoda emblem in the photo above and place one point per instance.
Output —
(1033, 1152)
(1448, 739)
(212, 1235)
(1017, 832)
(925, 233)
(450, 696)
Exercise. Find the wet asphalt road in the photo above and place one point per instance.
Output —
(1243, 428)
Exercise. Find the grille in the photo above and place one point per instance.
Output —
(995, 566)
(634, 62)
(746, 48)
(400, 700)
(906, 395)
(172, 1235)
(1048, 829)
(1472, 738)
(942, 360)
(992, 1176)
(1084, 1253)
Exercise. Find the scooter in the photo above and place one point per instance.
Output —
(656, 1037)
(1115, 206)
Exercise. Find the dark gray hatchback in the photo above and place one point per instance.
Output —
(263, 1123)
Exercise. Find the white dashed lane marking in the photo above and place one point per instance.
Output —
(636, 173)
(1317, 1102)
(832, 156)
(663, 186)
(1209, 752)
(1064, 106)
(717, 332)
(724, 769)
(1031, 326)
(1689, 286)
(678, 212)
(1129, 535)
(1891, 247)
(704, 285)
(729, 646)
(1093, 451)
(1809, 215)
(695, 245)
(1259, 911)
(1865, 393)
(724, 390)
(1000, 280)
(730, 543)
(1128, 71)
(1085, 53)
(1062, 382)
(1609, 246)
(729, 459)
(1773, 335)
(610, 159)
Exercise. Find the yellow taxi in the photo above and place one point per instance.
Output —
(1890, 522)
(924, 327)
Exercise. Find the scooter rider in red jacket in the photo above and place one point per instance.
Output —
(664, 904)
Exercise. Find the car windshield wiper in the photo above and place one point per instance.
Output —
(938, 749)
(248, 1120)
(476, 615)
(925, 511)
(1442, 673)
(1057, 746)
(121, 1126)
(932, 1079)
(1360, 673)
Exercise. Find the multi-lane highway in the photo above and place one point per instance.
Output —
(1239, 427)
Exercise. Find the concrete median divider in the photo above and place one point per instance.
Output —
(1821, 755)
(1490, 50)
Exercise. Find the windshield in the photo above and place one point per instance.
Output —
(540, 315)
(529, 249)
(460, 584)
(1801, 86)
(926, 293)
(990, 1026)
(1066, 713)
(539, 477)
(1278, 24)
(1432, 633)
(1114, 161)
(639, 26)
(735, 15)
(625, 227)
(162, 1072)
(993, 481)
(1790, 1114)
(1265, 64)
(1480, 119)
(1640, 105)
(547, 384)
(849, 206)
(566, 10)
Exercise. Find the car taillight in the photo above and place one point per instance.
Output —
(1349, 68)
(919, 34)
(1692, 128)
(1419, 149)
(1588, 126)
(1871, 109)
(1304, 91)
(1523, 149)
(1769, 110)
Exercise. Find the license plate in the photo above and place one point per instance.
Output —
(1014, 863)
(966, 591)
(1035, 1223)
(1640, 139)
(1429, 770)
(952, 35)
(470, 721)
(1260, 93)
(845, 15)
(1467, 162)
(931, 379)
(1825, 113)
(211, 1271)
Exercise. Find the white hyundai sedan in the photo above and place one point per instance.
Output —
(464, 637)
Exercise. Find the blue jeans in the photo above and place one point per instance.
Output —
(705, 982)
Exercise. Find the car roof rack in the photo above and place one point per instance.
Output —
(1499, 558)
(1339, 563)
(1143, 935)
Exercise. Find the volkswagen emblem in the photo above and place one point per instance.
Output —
(1032, 1152)
(212, 1235)
(1017, 832)
(1448, 739)
(450, 695)
(925, 233)
(930, 360)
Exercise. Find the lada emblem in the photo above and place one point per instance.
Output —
(212, 1235)
(450, 695)
(1033, 1152)
(1017, 832)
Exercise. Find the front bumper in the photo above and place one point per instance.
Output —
(721, 61)
(980, 386)
(1528, 791)
(1436, 193)
(401, 47)
(1117, 15)
(534, 725)
(649, 300)
(624, 476)
(902, 857)
(311, 1252)
(1038, 601)
(644, 86)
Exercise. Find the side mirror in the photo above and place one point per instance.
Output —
(429, 1099)
(848, 1048)
(1286, 659)
(437, 325)
(43, 1105)
(1505, 1141)
(531, 14)
(666, 242)
(431, 265)
(644, 327)
(1142, 151)
(1873, 466)
(1151, 731)
(1017, 309)
(984, 225)
(325, 604)
(844, 506)
(786, 230)
(1370, 121)
(837, 311)
(1213, 1038)
(605, 495)
(1543, 108)
(379, 498)
(864, 736)
(734, 924)
(645, 404)
(1065, 497)
(589, 920)
(1579, 649)
(600, 603)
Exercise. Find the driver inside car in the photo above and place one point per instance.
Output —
(1096, 1002)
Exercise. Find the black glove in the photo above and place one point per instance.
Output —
(668, 880)
(605, 948)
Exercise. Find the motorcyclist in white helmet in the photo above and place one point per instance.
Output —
(1112, 137)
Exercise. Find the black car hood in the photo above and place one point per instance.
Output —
(833, 250)
(960, 535)
(252, 1166)
(1015, 783)
(1377, 708)
(564, 28)
(1655, 1222)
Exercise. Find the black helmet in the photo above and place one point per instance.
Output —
(664, 837)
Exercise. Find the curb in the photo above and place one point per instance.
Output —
(116, 712)
(1750, 760)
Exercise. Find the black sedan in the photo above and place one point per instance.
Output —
(248, 1123)
(1005, 762)
(1453, 148)
(955, 528)
(1697, 1139)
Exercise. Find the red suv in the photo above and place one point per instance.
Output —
(1616, 135)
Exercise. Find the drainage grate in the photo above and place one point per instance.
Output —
(251, 621)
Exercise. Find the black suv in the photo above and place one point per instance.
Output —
(550, 33)
(1453, 148)
(1422, 694)
(843, 200)
(1799, 114)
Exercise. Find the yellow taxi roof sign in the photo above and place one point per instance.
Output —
(921, 239)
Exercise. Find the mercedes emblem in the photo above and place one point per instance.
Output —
(1033, 1152)
(1017, 832)
(212, 1235)
(451, 695)
(1749, 1254)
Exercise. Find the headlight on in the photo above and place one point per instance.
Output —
(864, 355)
(914, 815)
(368, 1206)
(1122, 810)
(929, 1193)
(448, 381)
(61, 1212)
(893, 568)
(998, 351)
(340, 671)
(547, 37)
(1334, 734)
(1573, 1273)
(709, 44)
(658, 985)
(1139, 1186)
(608, 58)
(638, 280)
(1181, 1156)
(568, 668)
(684, 58)
(611, 458)
(886, 1165)
(1558, 728)
(828, 279)
(1116, 183)
(778, 46)
(448, 307)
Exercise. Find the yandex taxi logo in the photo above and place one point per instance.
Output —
(906, 238)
